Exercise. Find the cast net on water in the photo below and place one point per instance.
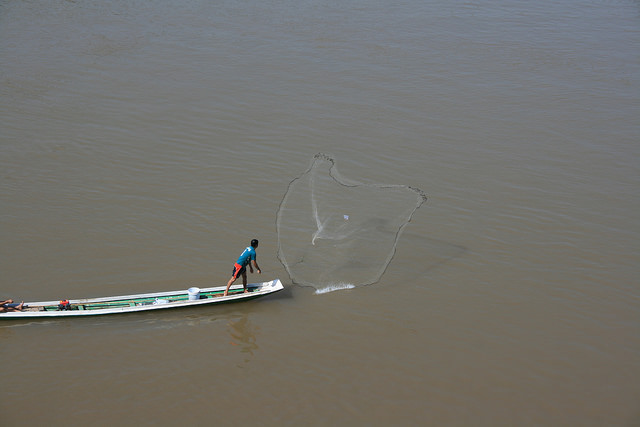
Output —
(335, 233)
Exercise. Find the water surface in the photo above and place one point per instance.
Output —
(143, 144)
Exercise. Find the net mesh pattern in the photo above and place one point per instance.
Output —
(337, 233)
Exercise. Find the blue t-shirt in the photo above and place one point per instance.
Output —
(248, 255)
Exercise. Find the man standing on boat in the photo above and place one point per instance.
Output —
(247, 257)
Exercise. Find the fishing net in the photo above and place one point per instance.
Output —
(334, 233)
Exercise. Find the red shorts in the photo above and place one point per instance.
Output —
(238, 270)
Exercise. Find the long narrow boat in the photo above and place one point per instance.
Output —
(191, 297)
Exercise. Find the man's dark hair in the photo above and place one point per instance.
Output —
(254, 243)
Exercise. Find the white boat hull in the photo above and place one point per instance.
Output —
(143, 302)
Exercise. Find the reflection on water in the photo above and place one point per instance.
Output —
(243, 335)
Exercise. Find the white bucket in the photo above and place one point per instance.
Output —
(194, 293)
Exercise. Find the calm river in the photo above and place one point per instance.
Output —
(144, 143)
